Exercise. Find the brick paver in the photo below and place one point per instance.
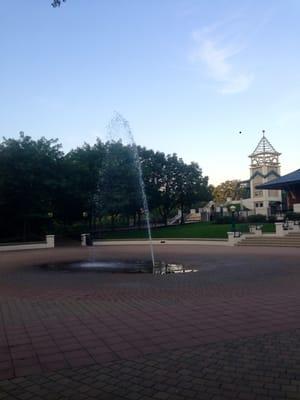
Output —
(230, 330)
(263, 367)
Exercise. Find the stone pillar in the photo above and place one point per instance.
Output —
(280, 231)
(83, 239)
(296, 207)
(297, 226)
(234, 237)
(256, 229)
(50, 241)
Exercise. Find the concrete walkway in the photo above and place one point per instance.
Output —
(164, 242)
(231, 330)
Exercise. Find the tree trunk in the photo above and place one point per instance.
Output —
(112, 222)
(24, 229)
(182, 216)
(166, 219)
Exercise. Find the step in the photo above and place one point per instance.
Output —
(281, 241)
(291, 239)
(269, 241)
(272, 241)
(268, 245)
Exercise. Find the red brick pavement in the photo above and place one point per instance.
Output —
(52, 320)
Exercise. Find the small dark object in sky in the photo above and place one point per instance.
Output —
(57, 3)
(240, 132)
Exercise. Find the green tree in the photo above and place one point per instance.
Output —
(37, 179)
(118, 188)
(152, 164)
(229, 188)
(57, 3)
(191, 186)
(160, 181)
(80, 179)
(29, 172)
(172, 184)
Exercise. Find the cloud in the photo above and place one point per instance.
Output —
(218, 58)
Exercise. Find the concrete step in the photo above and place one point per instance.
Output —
(292, 240)
(268, 244)
(273, 240)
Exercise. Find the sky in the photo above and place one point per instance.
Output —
(188, 75)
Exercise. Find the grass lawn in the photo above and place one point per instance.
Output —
(195, 230)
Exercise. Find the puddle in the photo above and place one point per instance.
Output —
(100, 266)
(161, 268)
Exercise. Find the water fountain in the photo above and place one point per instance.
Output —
(119, 127)
(119, 123)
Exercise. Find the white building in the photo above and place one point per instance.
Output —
(264, 167)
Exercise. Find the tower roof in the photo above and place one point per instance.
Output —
(264, 147)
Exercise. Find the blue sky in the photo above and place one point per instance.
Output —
(187, 74)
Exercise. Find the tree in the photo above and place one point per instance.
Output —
(164, 182)
(37, 180)
(152, 165)
(118, 188)
(191, 186)
(172, 184)
(28, 180)
(57, 3)
(230, 188)
(80, 179)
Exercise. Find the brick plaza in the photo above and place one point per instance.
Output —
(229, 331)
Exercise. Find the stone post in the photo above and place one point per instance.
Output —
(296, 207)
(83, 239)
(233, 238)
(50, 241)
(280, 231)
(255, 229)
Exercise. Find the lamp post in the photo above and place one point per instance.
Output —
(85, 215)
(50, 227)
(232, 209)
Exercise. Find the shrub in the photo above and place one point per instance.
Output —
(257, 218)
(293, 216)
(226, 219)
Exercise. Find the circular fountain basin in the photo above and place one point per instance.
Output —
(100, 266)
(160, 268)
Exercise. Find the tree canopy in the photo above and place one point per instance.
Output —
(98, 183)
(57, 3)
(229, 189)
